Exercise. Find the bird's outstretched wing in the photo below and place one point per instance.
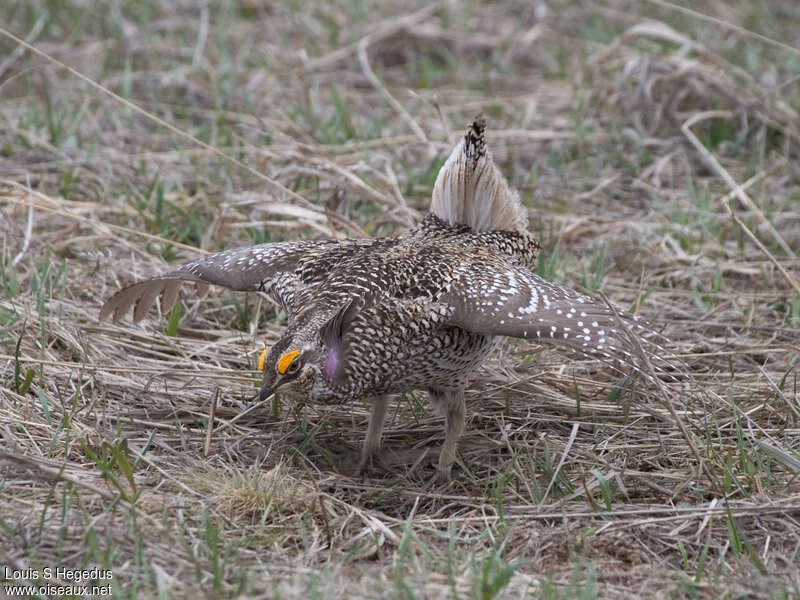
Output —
(514, 302)
(253, 268)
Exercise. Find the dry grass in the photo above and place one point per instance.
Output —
(657, 152)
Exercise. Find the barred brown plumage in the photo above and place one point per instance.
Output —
(370, 318)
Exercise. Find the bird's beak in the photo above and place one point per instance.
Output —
(265, 393)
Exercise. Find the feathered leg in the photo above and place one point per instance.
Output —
(372, 443)
(452, 405)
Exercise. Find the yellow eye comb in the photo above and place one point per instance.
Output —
(261, 360)
(286, 360)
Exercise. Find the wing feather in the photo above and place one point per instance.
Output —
(245, 269)
(514, 302)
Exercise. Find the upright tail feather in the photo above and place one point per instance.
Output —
(470, 190)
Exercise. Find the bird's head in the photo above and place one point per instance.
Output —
(312, 357)
(289, 362)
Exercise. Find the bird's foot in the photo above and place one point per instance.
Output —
(370, 463)
(439, 479)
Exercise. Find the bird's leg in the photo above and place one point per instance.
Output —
(452, 404)
(372, 443)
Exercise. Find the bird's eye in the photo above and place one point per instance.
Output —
(294, 366)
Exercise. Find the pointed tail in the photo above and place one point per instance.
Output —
(470, 190)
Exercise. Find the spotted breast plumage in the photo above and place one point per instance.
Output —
(374, 317)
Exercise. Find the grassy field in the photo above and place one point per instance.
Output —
(656, 149)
